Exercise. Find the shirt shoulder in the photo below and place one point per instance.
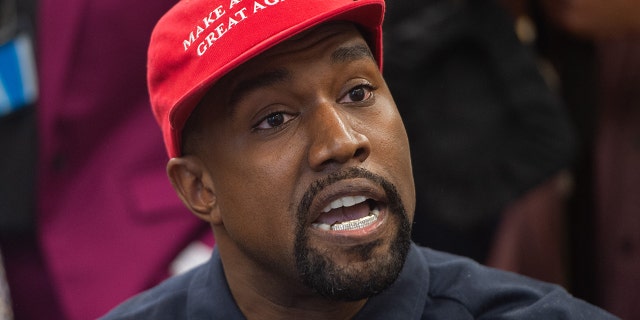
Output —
(168, 300)
(460, 285)
(202, 293)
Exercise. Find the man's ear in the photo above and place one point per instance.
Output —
(193, 183)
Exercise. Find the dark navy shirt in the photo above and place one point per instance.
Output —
(432, 285)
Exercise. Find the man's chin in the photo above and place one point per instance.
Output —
(361, 259)
(358, 273)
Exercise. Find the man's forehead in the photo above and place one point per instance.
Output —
(336, 26)
(300, 43)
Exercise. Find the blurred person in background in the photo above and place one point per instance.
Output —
(87, 216)
(478, 204)
(594, 49)
(491, 143)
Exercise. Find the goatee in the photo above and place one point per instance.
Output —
(373, 273)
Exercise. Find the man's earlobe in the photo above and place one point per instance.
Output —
(193, 183)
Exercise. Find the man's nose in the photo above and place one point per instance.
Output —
(334, 139)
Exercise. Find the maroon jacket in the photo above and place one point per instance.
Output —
(109, 221)
(617, 172)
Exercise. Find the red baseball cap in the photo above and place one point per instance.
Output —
(199, 41)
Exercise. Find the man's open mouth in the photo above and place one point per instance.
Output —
(348, 213)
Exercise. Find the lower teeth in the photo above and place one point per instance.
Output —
(356, 224)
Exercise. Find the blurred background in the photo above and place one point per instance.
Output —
(88, 217)
(524, 120)
(523, 115)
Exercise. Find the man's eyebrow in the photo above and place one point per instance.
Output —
(351, 53)
(244, 87)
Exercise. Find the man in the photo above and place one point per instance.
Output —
(284, 136)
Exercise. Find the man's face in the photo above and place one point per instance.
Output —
(310, 165)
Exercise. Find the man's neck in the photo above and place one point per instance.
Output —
(260, 294)
(257, 306)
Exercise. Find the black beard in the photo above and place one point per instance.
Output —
(346, 283)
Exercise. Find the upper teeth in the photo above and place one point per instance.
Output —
(344, 202)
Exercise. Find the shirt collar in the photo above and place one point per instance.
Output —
(210, 296)
(406, 297)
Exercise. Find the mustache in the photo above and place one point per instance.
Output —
(350, 173)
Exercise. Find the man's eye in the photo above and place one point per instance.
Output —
(274, 120)
(359, 93)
